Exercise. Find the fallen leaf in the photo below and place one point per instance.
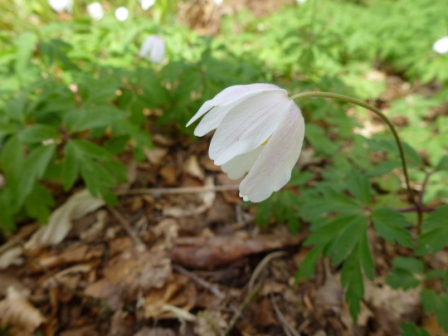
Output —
(18, 314)
(175, 299)
(155, 332)
(210, 323)
(213, 252)
(192, 167)
(61, 219)
(11, 256)
(155, 155)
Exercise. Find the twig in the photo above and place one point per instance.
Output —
(262, 265)
(126, 226)
(243, 306)
(212, 289)
(186, 190)
(287, 328)
(18, 237)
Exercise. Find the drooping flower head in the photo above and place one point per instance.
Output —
(60, 6)
(146, 4)
(441, 45)
(121, 13)
(95, 10)
(153, 49)
(259, 131)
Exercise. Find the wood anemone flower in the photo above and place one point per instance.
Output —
(259, 131)
(153, 49)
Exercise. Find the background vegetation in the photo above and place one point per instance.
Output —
(75, 95)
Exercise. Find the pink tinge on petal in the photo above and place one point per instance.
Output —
(247, 125)
(272, 170)
(241, 164)
(232, 94)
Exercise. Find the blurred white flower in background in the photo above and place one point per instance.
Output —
(153, 49)
(300, 1)
(218, 2)
(146, 4)
(441, 45)
(259, 131)
(60, 6)
(121, 13)
(95, 10)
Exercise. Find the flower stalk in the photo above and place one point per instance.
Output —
(335, 96)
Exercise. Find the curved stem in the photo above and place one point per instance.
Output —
(380, 114)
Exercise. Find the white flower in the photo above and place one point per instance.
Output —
(121, 13)
(60, 6)
(441, 45)
(153, 49)
(300, 2)
(259, 130)
(95, 10)
(218, 2)
(146, 4)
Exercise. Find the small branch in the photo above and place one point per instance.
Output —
(415, 209)
(285, 325)
(212, 289)
(126, 226)
(186, 190)
(262, 265)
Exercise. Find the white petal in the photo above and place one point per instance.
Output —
(232, 94)
(441, 45)
(247, 125)
(121, 13)
(272, 170)
(241, 164)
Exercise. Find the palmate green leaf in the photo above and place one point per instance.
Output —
(404, 273)
(359, 186)
(38, 133)
(435, 232)
(98, 168)
(438, 304)
(308, 266)
(410, 329)
(391, 225)
(383, 168)
(85, 119)
(442, 164)
(38, 203)
(12, 156)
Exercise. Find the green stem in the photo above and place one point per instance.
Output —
(358, 102)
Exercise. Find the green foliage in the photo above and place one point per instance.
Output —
(435, 232)
(405, 272)
(436, 303)
(410, 329)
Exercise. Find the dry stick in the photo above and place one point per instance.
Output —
(212, 289)
(253, 290)
(186, 190)
(285, 325)
(17, 238)
(262, 265)
(243, 306)
(126, 226)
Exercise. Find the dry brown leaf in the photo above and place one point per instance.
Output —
(209, 253)
(17, 313)
(155, 332)
(61, 219)
(174, 300)
(192, 167)
(155, 155)
(12, 256)
(210, 323)
(95, 230)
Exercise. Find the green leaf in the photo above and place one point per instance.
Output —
(435, 232)
(12, 156)
(436, 303)
(410, 329)
(359, 186)
(443, 163)
(352, 281)
(391, 225)
(404, 273)
(38, 203)
(86, 119)
(383, 168)
(70, 166)
(308, 266)
(38, 133)
(38, 160)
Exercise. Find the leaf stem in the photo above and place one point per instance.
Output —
(316, 94)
